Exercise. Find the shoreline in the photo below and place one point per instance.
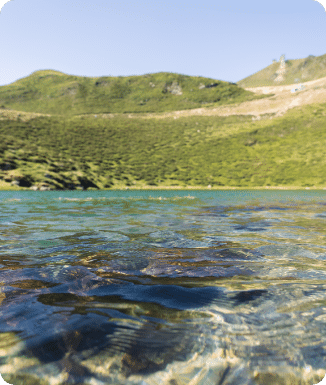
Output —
(185, 188)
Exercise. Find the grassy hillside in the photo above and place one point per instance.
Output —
(297, 71)
(88, 152)
(53, 92)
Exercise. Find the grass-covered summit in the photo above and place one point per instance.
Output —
(53, 92)
(296, 71)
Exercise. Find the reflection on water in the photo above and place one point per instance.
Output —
(163, 287)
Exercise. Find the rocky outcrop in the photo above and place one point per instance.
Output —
(42, 187)
(174, 88)
(50, 185)
(281, 71)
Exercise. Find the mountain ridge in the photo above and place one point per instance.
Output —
(53, 92)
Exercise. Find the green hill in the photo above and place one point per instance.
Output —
(77, 146)
(81, 152)
(53, 92)
(296, 71)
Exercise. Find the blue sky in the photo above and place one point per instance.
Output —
(225, 40)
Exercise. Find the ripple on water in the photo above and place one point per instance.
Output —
(131, 289)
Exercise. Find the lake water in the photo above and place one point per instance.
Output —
(163, 287)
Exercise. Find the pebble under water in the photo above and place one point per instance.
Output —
(163, 287)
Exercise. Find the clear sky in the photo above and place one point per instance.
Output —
(226, 40)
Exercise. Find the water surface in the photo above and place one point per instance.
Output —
(163, 287)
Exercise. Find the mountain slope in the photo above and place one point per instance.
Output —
(277, 141)
(295, 71)
(53, 92)
(83, 152)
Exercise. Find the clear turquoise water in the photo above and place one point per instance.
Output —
(163, 287)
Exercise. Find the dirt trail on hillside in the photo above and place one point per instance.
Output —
(278, 104)
(280, 101)
(14, 115)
